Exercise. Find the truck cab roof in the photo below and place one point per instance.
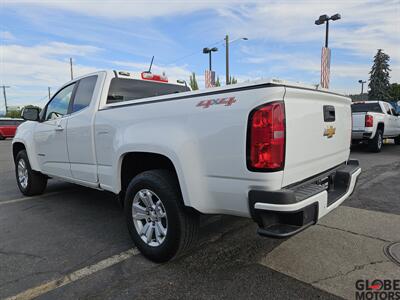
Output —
(146, 76)
(151, 77)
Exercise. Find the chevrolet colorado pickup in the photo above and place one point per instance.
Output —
(374, 121)
(272, 151)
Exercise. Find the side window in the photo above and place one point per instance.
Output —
(391, 109)
(84, 93)
(387, 108)
(58, 106)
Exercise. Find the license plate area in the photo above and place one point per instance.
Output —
(324, 182)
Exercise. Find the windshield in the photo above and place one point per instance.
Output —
(122, 89)
(366, 107)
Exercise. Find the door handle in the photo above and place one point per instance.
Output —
(59, 128)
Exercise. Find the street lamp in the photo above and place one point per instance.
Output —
(362, 87)
(227, 54)
(5, 95)
(325, 19)
(209, 50)
(326, 52)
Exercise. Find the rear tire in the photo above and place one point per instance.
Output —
(163, 228)
(397, 140)
(375, 145)
(29, 182)
(2, 137)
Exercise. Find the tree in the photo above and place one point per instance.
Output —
(379, 77)
(217, 83)
(232, 80)
(394, 91)
(13, 114)
(17, 113)
(358, 97)
(33, 106)
(193, 82)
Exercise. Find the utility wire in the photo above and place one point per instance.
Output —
(220, 42)
(196, 52)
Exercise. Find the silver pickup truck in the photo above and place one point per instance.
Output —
(373, 121)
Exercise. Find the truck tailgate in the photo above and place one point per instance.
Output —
(315, 142)
(359, 121)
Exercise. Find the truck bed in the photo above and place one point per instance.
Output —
(204, 133)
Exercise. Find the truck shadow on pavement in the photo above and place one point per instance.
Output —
(363, 148)
(67, 231)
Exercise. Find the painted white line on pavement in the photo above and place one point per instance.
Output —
(74, 276)
(29, 198)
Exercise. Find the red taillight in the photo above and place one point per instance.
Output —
(266, 141)
(369, 121)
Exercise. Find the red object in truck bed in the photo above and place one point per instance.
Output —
(8, 127)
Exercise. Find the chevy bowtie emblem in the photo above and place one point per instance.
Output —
(329, 131)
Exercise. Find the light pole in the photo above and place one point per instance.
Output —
(325, 19)
(326, 52)
(362, 87)
(227, 54)
(5, 95)
(70, 65)
(208, 51)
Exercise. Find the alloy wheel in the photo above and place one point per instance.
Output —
(149, 217)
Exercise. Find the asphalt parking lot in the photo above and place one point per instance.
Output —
(72, 242)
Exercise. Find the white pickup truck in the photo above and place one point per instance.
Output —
(374, 121)
(270, 150)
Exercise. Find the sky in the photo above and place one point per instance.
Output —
(37, 38)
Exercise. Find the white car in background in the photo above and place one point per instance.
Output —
(374, 121)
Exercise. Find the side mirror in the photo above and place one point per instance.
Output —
(30, 114)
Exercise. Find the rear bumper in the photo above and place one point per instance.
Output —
(361, 135)
(287, 211)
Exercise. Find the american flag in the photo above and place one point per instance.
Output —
(210, 78)
(325, 67)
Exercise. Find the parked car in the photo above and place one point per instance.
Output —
(396, 106)
(374, 121)
(273, 151)
(8, 127)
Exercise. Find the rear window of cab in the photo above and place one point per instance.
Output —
(122, 89)
(366, 107)
(10, 122)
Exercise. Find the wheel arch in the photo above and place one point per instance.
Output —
(16, 148)
(134, 163)
(381, 126)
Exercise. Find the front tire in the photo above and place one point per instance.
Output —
(375, 145)
(161, 227)
(2, 137)
(29, 182)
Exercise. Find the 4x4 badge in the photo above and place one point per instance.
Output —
(225, 101)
